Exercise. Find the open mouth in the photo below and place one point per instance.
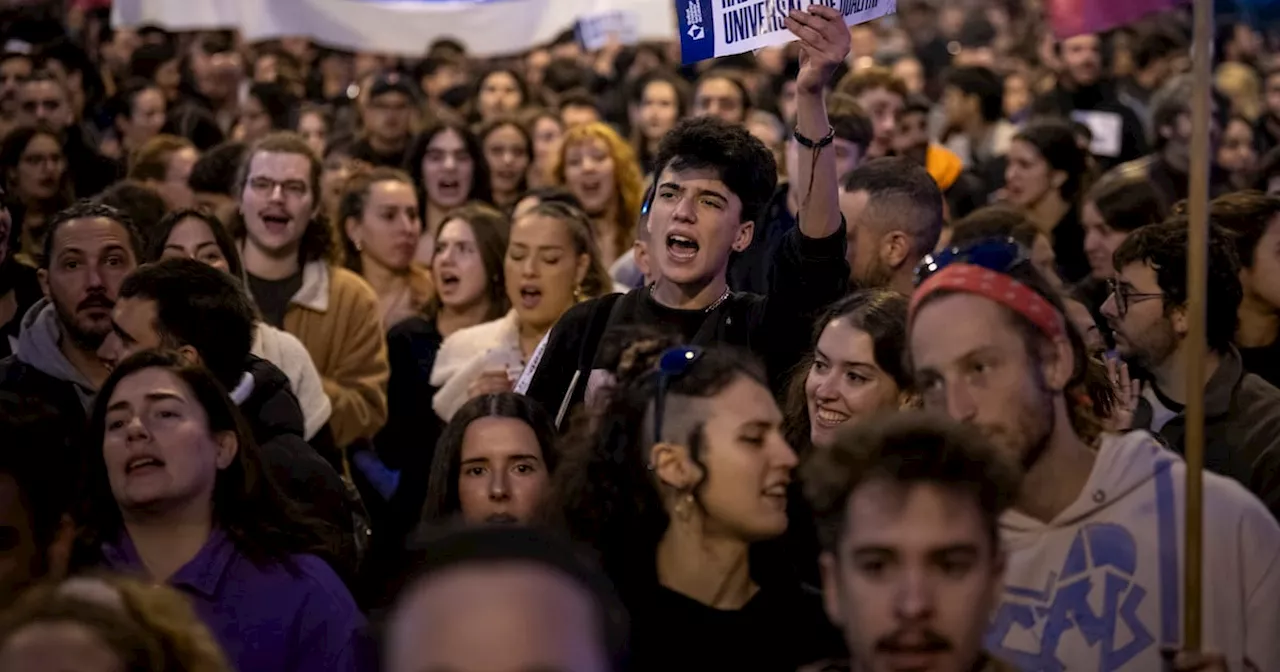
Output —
(776, 493)
(682, 248)
(276, 222)
(142, 462)
(828, 418)
(530, 296)
(450, 187)
(449, 281)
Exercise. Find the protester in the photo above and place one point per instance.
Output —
(901, 502)
(378, 217)
(479, 598)
(989, 346)
(658, 101)
(721, 94)
(1148, 312)
(894, 210)
(447, 164)
(551, 265)
(683, 470)
(165, 163)
(854, 371)
(177, 495)
(600, 170)
(387, 113)
(290, 256)
(882, 96)
(36, 183)
(494, 462)
(88, 251)
(508, 150)
(714, 181)
(1045, 175)
(546, 132)
(1251, 217)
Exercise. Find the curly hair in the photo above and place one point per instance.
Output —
(1164, 248)
(603, 490)
(627, 178)
(743, 163)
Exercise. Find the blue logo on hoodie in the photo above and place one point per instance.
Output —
(1101, 564)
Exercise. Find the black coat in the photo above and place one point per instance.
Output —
(305, 477)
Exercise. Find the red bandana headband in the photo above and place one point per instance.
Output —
(997, 287)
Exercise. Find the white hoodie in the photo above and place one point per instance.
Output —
(1100, 587)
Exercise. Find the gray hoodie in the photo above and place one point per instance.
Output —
(38, 348)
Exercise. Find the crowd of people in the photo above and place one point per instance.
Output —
(866, 352)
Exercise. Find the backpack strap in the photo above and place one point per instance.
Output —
(602, 314)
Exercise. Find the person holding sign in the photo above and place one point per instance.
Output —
(713, 180)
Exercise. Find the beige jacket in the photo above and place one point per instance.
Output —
(337, 317)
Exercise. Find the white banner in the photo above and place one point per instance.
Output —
(713, 28)
(402, 27)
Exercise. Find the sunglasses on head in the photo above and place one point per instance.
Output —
(675, 362)
(994, 254)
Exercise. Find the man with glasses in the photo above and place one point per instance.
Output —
(1148, 313)
(1094, 573)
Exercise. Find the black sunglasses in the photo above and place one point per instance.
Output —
(994, 254)
(675, 362)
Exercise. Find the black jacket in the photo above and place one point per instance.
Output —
(1241, 428)
(301, 473)
(22, 379)
(808, 275)
(91, 172)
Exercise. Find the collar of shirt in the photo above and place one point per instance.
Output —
(202, 573)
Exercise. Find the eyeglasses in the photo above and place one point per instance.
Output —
(674, 363)
(994, 254)
(266, 186)
(1126, 298)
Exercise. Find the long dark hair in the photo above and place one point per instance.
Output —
(226, 245)
(491, 229)
(480, 188)
(442, 488)
(882, 315)
(604, 491)
(247, 506)
(1055, 141)
(11, 149)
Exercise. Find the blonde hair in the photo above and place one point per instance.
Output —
(149, 626)
(1241, 85)
(626, 175)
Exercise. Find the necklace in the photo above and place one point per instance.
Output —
(714, 304)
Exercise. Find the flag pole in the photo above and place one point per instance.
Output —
(1197, 278)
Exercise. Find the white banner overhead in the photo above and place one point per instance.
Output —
(403, 27)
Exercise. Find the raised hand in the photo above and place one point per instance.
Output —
(824, 45)
(1127, 393)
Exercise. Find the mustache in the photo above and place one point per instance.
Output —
(908, 641)
(96, 301)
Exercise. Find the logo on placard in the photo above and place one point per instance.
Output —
(693, 17)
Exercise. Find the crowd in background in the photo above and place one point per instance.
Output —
(863, 352)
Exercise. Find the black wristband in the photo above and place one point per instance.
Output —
(826, 139)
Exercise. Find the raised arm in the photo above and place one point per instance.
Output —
(824, 44)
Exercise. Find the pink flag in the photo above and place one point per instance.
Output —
(1078, 17)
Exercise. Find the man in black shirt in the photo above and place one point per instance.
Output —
(713, 179)
(388, 114)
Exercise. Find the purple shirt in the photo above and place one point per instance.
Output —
(268, 618)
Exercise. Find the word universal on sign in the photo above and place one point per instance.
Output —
(712, 28)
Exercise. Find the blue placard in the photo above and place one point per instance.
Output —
(697, 30)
